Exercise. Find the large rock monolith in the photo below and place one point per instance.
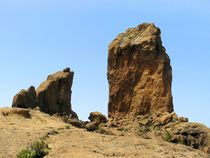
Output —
(139, 73)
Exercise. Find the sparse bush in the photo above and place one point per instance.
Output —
(36, 150)
(167, 136)
(26, 153)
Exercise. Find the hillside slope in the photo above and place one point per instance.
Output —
(21, 127)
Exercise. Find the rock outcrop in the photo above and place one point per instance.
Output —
(25, 98)
(174, 129)
(139, 73)
(54, 94)
(96, 118)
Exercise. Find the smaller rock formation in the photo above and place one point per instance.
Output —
(54, 94)
(74, 122)
(91, 126)
(25, 98)
(190, 134)
(174, 129)
(96, 119)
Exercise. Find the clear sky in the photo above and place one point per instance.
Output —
(39, 37)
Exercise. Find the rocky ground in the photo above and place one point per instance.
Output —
(21, 127)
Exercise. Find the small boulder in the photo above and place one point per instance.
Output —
(91, 126)
(66, 69)
(97, 117)
(183, 119)
(76, 122)
(144, 122)
(165, 119)
(174, 116)
(25, 98)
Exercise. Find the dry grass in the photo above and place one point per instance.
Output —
(16, 111)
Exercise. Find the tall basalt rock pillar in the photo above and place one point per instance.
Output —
(139, 73)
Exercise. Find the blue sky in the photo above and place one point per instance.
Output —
(40, 37)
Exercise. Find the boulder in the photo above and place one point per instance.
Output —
(54, 94)
(183, 119)
(25, 98)
(97, 117)
(139, 73)
(91, 126)
(165, 119)
(75, 122)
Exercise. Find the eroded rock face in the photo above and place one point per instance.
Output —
(54, 95)
(25, 98)
(139, 73)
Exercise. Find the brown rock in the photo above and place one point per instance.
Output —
(54, 95)
(139, 73)
(97, 117)
(66, 69)
(183, 119)
(144, 122)
(25, 98)
(76, 122)
(174, 116)
(166, 118)
(190, 134)
(91, 126)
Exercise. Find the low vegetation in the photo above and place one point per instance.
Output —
(167, 136)
(37, 150)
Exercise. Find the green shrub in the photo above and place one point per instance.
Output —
(36, 150)
(26, 153)
(167, 136)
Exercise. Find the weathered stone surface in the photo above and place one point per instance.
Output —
(91, 126)
(75, 122)
(97, 117)
(25, 98)
(183, 119)
(54, 95)
(190, 134)
(139, 73)
(165, 118)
